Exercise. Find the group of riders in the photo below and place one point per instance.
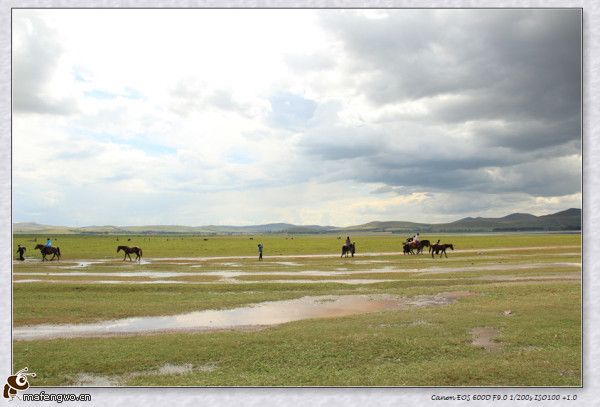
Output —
(415, 243)
(412, 243)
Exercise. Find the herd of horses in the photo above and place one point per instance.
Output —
(409, 247)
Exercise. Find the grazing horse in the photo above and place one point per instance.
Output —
(45, 250)
(441, 249)
(128, 250)
(348, 249)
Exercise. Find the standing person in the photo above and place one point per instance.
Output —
(260, 251)
(21, 250)
(48, 243)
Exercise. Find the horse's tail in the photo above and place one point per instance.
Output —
(58, 250)
(140, 252)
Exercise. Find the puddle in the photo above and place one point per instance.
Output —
(109, 281)
(287, 263)
(253, 316)
(482, 338)
(81, 264)
(564, 276)
(224, 280)
(494, 267)
(92, 380)
(151, 274)
(314, 273)
(344, 281)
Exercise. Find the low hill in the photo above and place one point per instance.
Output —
(569, 219)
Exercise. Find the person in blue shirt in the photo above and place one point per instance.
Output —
(48, 243)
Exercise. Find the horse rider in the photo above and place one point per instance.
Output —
(415, 240)
(348, 242)
(21, 250)
(48, 243)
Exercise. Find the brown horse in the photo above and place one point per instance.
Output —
(45, 250)
(410, 245)
(348, 249)
(128, 250)
(441, 249)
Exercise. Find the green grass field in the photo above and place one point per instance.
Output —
(526, 289)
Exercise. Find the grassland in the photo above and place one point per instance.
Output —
(104, 247)
(526, 287)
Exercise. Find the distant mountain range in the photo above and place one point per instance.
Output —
(516, 222)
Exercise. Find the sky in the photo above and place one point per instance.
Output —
(331, 117)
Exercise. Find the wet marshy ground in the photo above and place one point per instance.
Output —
(255, 315)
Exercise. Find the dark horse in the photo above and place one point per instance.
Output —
(348, 249)
(55, 251)
(410, 245)
(128, 250)
(441, 249)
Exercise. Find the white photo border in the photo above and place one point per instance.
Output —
(587, 395)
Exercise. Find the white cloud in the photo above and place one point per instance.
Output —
(251, 116)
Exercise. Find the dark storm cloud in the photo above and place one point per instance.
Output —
(36, 54)
(502, 96)
(527, 60)
(529, 136)
(341, 143)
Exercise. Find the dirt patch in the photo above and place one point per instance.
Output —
(260, 314)
(483, 338)
(92, 380)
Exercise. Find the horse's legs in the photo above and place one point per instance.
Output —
(125, 256)
(128, 255)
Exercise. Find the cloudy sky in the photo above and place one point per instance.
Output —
(331, 117)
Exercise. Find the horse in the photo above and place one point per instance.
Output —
(348, 249)
(410, 245)
(46, 250)
(441, 249)
(128, 250)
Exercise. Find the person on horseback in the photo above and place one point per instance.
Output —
(48, 243)
(415, 240)
(348, 242)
